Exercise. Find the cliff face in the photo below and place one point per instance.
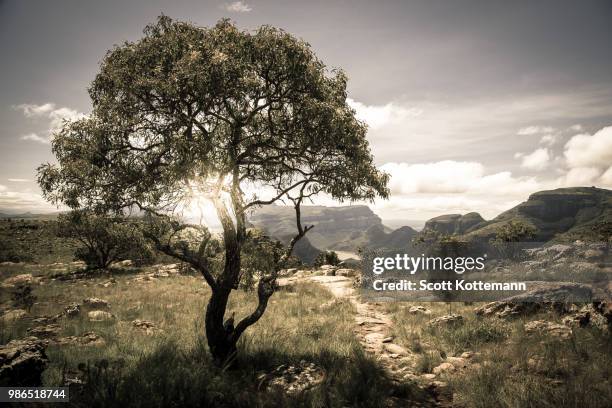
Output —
(561, 214)
(341, 228)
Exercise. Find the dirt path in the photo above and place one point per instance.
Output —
(373, 328)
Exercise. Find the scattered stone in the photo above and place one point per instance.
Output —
(292, 380)
(346, 272)
(444, 368)
(387, 340)
(96, 303)
(72, 310)
(85, 339)
(458, 362)
(396, 349)
(451, 320)
(22, 362)
(48, 331)
(99, 316)
(13, 315)
(419, 310)
(146, 326)
(24, 278)
(545, 327)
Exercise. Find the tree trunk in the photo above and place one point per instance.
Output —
(222, 346)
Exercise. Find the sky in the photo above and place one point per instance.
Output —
(471, 105)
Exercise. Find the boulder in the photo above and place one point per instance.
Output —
(85, 339)
(99, 316)
(22, 362)
(419, 310)
(395, 349)
(24, 278)
(549, 328)
(13, 315)
(96, 303)
(444, 368)
(451, 320)
(146, 326)
(292, 380)
(47, 331)
(72, 310)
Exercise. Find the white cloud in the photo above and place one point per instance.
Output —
(377, 116)
(23, 201)
(539, 159)
(548, 140)
(19, 180)
(237, 7)
(606, 178)
(425, 190)
(35, 138)
(576, 128)
(586, 150)
(53, 115)
(534, 130)
(580, 176)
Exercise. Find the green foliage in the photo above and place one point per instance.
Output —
(23, 297)
(104, 239)
(326, 258)
(510, 237)
(260, 256)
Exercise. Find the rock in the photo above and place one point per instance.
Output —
(345, 272)
(550, 328)
(395, 349)
(593, 254)
(467, 354)
(451, 320)
(124, 264)
(24, 278)
(458, 362)
(161, 274)
(12, 315)
(48, 331)
(96, 303)
(146, 326)
(292, 380)
(505, 309)
(579, 319)
(444, 368)
(419, 310)
(22, 362)
(387, 340)
(428, 376)
(99, 316)
(85, 339)
(72, 310)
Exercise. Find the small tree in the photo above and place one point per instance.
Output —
(510, 236)
(326, 258)
(104, 239)
(189, 111)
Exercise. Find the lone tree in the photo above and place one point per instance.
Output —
(213, 110)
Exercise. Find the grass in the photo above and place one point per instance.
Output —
(512, 369)
(173, 367)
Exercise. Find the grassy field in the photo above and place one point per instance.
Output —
(510, 368)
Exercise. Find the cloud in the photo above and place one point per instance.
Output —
(19, 180)
(237, 7)
(548, 140)
(35, 138)
(377, 116)
(534, 130)
(23, 201)
(425, 190)
(586, 150)
(539, 159)
(580, 176)
(576, 128)
(54, 116)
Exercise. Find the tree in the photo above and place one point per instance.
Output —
(509, 236)
(189, 111)
(326, 258)
(104, 239)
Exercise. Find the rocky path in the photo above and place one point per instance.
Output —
(373, 328)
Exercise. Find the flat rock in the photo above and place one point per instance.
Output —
(96, 303)
(550, 328)
(444, 368)
(12, 315)
(47, 331)
(99, 316)
(446, 321)
(419, 310)
(396, 349)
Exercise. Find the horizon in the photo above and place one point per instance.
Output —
(421, 75)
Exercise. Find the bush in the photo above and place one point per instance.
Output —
(22, 297)
(326, 258)
(105, 239)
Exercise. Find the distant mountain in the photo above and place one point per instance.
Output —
(336, 228)
(454, 224)
(564, 214)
